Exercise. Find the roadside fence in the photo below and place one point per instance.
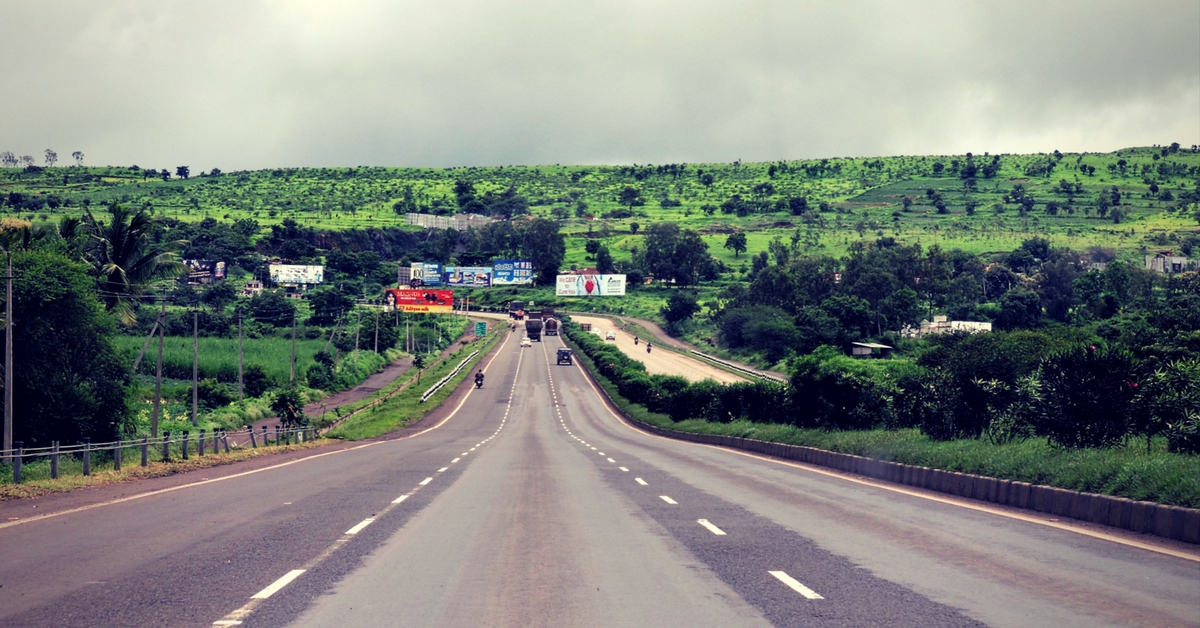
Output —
(51, 462)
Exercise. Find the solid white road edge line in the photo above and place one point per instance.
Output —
(795, 585)
(274, 587)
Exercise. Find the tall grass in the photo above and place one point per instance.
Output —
(218, 356)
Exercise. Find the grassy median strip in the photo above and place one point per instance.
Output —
(406, 407)
(1127, 471)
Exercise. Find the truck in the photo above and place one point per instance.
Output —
(516, 310)
(533, 329)
(547, 312)
(550, 326)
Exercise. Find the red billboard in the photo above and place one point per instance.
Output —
(427, 301)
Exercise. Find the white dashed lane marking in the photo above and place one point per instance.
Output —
(711, 528)
(641, 481)
(667, 499)
(425, 481)
(358, 528)
(274, 587)
(795, 585)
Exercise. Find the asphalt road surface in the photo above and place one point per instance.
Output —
(528, 503)
(661, 361)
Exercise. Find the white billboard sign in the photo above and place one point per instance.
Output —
(590, 286)
(296, 274)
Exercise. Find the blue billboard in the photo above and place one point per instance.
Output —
(512, 272)
(468, 276)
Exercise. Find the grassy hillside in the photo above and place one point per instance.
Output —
(847, 199)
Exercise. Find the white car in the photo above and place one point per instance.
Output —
(611, 335)
(525, 342)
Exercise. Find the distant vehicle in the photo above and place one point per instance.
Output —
(564, 356)
(550, 327)
(611, 335)
(526, 342)
(547, 312)
(516, 310)
(585, 326)
(533, 329)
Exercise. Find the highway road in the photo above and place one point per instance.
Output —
(659, 362)
(528, 503)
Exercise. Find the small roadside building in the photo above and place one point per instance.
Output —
(870, 350)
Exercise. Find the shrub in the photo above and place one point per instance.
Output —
(1089, 397)
(255, 380)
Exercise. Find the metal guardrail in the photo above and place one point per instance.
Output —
(739, 368)
(182, 445)
(442, 382)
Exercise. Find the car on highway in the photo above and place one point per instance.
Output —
(525, 342)
(611, 335)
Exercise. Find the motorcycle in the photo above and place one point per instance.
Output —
(635, 341)
(479, 381)
(648, 347)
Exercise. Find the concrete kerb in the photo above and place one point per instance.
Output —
(1173, 522)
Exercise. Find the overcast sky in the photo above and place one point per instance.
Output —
(244, 84)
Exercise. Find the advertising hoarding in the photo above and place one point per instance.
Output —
(289, 274)
(468, 276)
(426, 274)
(202, 271)
(589, 286)
(512, 272)
(420, 301)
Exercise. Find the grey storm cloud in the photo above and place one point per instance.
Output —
(240, 84)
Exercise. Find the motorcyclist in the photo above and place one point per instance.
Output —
(479, 379)
(648, 345)
(635, 341)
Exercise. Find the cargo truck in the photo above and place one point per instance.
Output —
(533, 329)
(516, 310)
(550, 326)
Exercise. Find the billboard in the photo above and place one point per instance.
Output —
(202, 271)
(590, 286)
(403, 276)
(425, 274)
(420, 301)
(296, 275)
(468, 276)
(512, 272)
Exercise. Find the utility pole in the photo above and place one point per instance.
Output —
(357, 329)
(377, 332)
(239, 357)
(158, 374)
(195, 366)
(292, 373)
(8, 363)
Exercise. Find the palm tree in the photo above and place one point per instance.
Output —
(127, 259)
